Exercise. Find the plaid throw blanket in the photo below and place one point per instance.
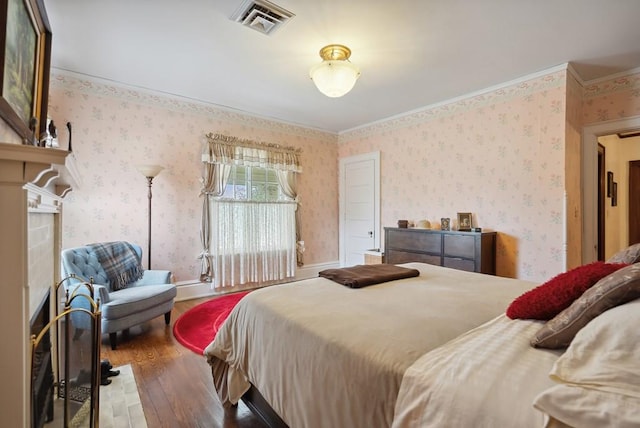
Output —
(120, 262)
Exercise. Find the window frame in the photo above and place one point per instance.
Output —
(242, 185)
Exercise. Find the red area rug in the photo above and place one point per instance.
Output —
(197, 327)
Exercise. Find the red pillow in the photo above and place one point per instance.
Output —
(549, 299)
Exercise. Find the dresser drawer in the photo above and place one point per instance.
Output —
(460, 264)
(460, 246)
(395, 257)
(414, 240)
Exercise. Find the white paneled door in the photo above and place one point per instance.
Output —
(359, 207)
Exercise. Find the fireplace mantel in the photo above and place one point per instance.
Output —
(32, 179)
(46, 173)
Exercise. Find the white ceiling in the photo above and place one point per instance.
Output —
(412, 53)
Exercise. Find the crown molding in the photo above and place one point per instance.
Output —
(534, 82)
(102, 87)
(628, 80)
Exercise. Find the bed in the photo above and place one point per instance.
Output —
(326, 355)
(431, 351)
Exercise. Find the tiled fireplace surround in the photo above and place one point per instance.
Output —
(41, 247)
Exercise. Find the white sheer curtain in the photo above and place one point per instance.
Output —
(247, 241)
(253, 242)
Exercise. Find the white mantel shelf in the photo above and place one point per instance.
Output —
(23, 152)
(60, 171)
(48, 174)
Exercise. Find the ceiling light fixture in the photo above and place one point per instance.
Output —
(335, 75)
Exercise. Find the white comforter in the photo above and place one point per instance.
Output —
(488, 377)
(325, 355)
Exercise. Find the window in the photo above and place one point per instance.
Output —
(250, 219)
(253, 229)
(253, 184)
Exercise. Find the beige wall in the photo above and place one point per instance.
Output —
(115, 128)
(613, 218)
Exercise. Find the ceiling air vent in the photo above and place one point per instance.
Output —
(261, 15)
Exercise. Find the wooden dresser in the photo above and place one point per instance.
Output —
(470, 251)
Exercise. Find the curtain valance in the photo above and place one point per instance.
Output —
(226, 150)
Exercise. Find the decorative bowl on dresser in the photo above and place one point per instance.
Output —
(469, 251)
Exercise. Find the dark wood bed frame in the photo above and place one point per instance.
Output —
(259, 406)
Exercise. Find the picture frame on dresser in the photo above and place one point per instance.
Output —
(25, 61)
(445, 223)
(464, 222)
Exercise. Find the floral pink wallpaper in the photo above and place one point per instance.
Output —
(609, 99)
(499, 155)
(510, 156)
(115, 128)
(573, 172)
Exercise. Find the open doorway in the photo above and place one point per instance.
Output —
(618, 189)
(608, 221)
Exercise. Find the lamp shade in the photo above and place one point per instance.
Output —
(335, 75)
(149, 170)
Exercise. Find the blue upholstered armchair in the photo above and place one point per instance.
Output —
(139, 301)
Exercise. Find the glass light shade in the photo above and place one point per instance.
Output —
(334, 78)
(149, 170)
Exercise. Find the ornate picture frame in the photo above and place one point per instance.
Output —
(25, 60)
(464, 222)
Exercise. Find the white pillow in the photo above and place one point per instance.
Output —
(599, 374)
(587, 408)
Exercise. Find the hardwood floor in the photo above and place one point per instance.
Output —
(174, 383)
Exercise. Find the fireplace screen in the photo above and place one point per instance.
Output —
(75, 395)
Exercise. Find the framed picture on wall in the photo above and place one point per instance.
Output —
(25, 60)
(464, 221)
(614, 194)
(609, 183)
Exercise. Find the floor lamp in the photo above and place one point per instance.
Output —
(149, 171)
